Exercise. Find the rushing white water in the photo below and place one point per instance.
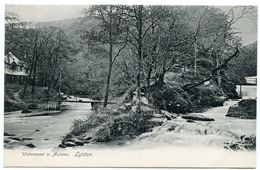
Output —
(199, 133)
(246, 91)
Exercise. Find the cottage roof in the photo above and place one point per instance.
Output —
(10, 58)
(18, 71)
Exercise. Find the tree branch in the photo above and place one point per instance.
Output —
(213, 72)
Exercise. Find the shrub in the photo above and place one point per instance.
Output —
(171, 98)
(229, 89)
(205, 96)
(131, 124)
(32, 106)
(13, 106)
(103, 133)
(94, 120)
(106, 126)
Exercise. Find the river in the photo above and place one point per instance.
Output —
(45, 131)
(197, 144)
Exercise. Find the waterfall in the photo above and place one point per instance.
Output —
(246, 91)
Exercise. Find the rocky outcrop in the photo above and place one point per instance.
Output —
(197, 117)
(246, 109)
(244, 143)
(11, 140)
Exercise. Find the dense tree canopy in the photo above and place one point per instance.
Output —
(115, 47)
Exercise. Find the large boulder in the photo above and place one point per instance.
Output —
(246, 109)
(197, 117)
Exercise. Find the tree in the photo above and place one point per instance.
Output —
(112, 34)
(55, 55)
(136, 17)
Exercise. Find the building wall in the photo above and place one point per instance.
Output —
(246, 91)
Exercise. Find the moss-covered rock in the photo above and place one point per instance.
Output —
(197, 117)
(244, 143)
(246, 109)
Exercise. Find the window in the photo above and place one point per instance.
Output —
(14, 66)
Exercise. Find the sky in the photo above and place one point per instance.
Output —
(40, 13)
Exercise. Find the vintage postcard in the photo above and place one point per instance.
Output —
(130, 86)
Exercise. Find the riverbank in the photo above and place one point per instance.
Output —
(14, 99)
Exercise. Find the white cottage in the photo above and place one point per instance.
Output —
(15, 70)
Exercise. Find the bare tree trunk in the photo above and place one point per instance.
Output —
(107, 86)
(218, 73)
(110, 62)
(195, 57)
(34, 75)
(140, 33)
(109, 74)
(148, 82)
(160, 81)
(28, 79)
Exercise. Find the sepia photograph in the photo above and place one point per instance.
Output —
(130, 86)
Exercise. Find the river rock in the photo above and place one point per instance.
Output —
(172, 128)
(87, 139)
(190, 121)
(76, 141)
(62, 146)
(69, 144)
(197, 117)
(7, 140)
(7, 134)
(27, 138)
(15, 138)
(246, 109)
(30, 145)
